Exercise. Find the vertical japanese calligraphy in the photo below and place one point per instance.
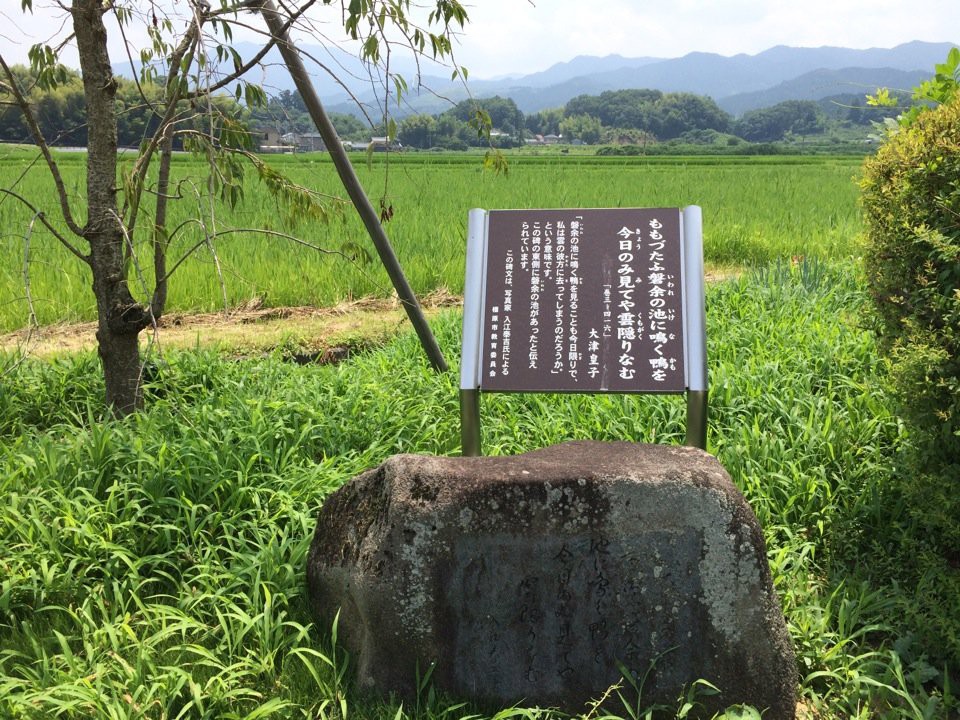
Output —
(583, 301)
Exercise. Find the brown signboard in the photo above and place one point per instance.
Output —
(583, 301)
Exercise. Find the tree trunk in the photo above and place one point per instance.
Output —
(120, 318)
(120, 357)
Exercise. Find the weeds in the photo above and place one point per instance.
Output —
(153, 567)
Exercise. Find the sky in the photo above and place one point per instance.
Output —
(520, 36)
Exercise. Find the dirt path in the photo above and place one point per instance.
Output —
(306, 332)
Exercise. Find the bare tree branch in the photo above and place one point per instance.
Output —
(134, 73)
(32, 321)
(257, 231)
(155, 334)
(44, 148)
(255, 60)
(173, 96)
(23, 351)
(272, 42)
(237, 74)
(43, 218)
(337, 79)
(128, 241)
(159, 299)
(216, 264)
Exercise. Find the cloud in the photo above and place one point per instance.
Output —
(517, 36)
(514, 36)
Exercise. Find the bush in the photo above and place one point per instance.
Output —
(911, 202)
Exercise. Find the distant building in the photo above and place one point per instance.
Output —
(382, 144)
(267, 136)
(311, 142)
(550, 139)
(305, 142)
(269, 140)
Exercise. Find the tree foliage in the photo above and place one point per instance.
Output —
(494, 112)
(679, 113)
(585, 128)
(941, 88)
(911, 203)
(663, 115)
(186, 69)
(286, 112)
(618, 108)
(792, 117)
(544, 122)
(61, 111)
(638, 117)
(418, 131)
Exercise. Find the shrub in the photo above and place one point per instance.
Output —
(911, 202)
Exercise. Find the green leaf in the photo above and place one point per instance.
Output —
(882, 98)
(496, 161)
(400, 85)
(254, 96)
(371, 49)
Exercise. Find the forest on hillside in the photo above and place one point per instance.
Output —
(632, 117)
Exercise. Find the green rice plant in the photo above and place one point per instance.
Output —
(755, 210)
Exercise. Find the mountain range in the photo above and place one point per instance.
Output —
(738, 83)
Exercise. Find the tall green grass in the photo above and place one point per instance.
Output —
(755, 211)
(154, 567)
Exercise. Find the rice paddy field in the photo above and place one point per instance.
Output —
(153, 567)
(756, 210)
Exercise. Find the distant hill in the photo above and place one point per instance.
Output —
(738, 83)
(725, 77)
(820, 84)
(583, 65)
(748, 81)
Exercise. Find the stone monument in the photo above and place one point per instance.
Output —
(541, 578)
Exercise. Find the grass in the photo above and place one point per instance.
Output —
(153, 567)
(755, 211)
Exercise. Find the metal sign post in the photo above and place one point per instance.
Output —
(589, 301)
(695, 327)
(470, 436)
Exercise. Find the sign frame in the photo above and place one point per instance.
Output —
(692, 306)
